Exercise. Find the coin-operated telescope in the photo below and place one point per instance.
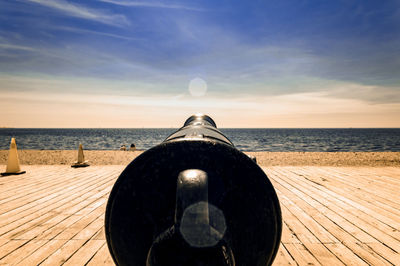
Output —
(194, 199)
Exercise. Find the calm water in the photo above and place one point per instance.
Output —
(244, 139)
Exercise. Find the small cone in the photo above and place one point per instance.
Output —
(81, 159)
(13, 162)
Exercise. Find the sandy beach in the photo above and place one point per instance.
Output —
(100, 157)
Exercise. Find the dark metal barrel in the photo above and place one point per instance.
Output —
(193, 200)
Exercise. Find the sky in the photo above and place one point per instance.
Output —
(262, 64)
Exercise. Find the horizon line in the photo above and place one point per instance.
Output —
(217, 127)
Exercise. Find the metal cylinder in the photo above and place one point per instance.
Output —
(199, 127)
(194, 199)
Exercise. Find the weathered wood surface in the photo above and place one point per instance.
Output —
(54, 215)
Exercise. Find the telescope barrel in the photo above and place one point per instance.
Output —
(199, 127)
(194, 199)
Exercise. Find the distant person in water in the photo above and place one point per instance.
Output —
(123, 147)
(133, 147)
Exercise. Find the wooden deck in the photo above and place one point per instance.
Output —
(54, 215)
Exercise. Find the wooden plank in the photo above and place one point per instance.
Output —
(386, 252)
(346, 232)
(345, 254)
(43, 194)
(38, 190)
(75, 228)
(85, 253)
(288, 235)
(22, 252)
(382, 236)
(62, 254)
(26, 180)
(301, 255)
(71, 219)
(3, 241)
(378, 230)
(92, 181)
(382, 252)
(361, 190)
(43, 252)
(38, 231)
(10, 246)
(91, 229)
(363, 202)
(39, 217)
(283, 257)
(102, 257)
(100, 235)
(304, 200)
(319, 233)
(311, 243)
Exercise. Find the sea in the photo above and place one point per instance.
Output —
(254, 139)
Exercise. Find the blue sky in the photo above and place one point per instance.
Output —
(119, 63)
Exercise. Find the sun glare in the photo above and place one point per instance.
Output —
(197, 87)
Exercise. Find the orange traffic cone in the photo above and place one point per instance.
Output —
(13, 162)
(81, 159)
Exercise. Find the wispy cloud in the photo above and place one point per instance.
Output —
(367, 93)
(106, 34)
(151, 4)
(7, 46)
(311, 109)
(83, 12)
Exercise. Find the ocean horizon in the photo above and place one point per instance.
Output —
(245, 139)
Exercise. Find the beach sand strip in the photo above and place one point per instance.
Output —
(100, 157)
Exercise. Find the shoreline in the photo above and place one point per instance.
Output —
(116, 157)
